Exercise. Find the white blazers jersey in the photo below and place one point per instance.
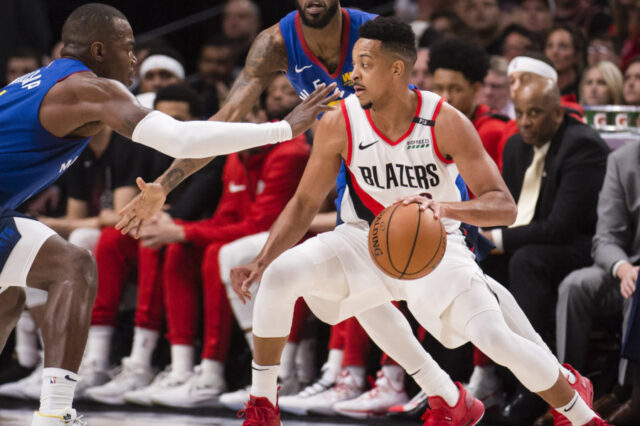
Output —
(381, 170)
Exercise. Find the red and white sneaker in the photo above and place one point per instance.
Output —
(584, 387)
(260, 412)
(375, 402)
(467, 412)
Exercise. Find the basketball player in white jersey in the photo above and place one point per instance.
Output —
(397, 143)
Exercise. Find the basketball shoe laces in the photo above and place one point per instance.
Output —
(435, 417)
(256, 415)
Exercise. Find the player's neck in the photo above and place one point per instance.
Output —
(325, 42)
(394, 116)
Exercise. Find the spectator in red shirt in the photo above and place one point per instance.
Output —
(257, 185)
(459, 69)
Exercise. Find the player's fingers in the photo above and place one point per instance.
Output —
(331, 98)
(316, 93)
(141, 184)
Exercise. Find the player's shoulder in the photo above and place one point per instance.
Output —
(89, 87)
(268, 52)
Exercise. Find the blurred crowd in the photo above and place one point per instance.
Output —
(166, 327)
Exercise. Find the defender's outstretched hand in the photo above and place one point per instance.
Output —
(141, 208)
(304, 115)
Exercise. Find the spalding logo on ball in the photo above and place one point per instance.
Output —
(405, 242)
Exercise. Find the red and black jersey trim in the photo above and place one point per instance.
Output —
(366, 207)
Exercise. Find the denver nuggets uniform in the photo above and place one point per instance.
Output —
(306, 71)
(31, 159)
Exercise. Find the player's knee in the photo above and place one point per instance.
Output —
(492, 339)
(81, 269)
(286, 277)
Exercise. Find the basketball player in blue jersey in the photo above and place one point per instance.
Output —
(46, 120)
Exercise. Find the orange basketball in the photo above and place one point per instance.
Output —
(407, 243)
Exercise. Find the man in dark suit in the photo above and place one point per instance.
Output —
(606, 288)
(554, 167)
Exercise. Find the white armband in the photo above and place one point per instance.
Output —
(201, 139)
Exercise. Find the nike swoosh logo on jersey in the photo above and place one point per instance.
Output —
(236, 188)
(361, 146)
(299, 70)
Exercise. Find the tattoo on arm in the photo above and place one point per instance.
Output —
(180, 170)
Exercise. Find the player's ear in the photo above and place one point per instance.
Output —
(398, 67)
(97, 51)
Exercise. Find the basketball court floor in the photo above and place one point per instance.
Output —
(18, 413)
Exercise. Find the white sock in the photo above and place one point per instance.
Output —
(435, 382)
(58, 387)
(264, 381)
(99, 345)
(568, 374)
(331, 369)
(249, 336)
(144, 343)
(305, 360)
(577, 411)
(395, 375)
(357, 373)
(288, 360)
(181, 359)
(211, 367)
(26, 341)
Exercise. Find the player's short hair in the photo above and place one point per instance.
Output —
(90, 22)
(394, 35)
(181, 93)
(463, 56)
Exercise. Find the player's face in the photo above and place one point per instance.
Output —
(456, 89)
(317, 13)
(119, 59)
(281, 98)
(537, 121)
(372, 75)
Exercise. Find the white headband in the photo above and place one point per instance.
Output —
(536, 66)
(162, 62)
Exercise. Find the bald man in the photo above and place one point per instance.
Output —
(46, 119)
(554, 167)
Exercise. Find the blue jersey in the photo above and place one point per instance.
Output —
(306, 71)
(31, 158)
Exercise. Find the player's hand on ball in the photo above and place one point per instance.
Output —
(143, 207)
(305, 114)
(424, 203)
(243, 277)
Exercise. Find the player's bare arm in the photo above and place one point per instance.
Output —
(458, 140)
(329, 147)
(267, 57)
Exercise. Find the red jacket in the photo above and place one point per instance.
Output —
(257, 187)
(490, 126)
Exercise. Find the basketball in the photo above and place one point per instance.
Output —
(407, 243)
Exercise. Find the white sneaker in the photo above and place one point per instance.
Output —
(164, 381)
(236, 400)
(66, 417)
(375, 402)
(91, 375)
(198, 391)
(346, 388)
(26, 388)
(485, 385)
(415, 404)
(132, 376)
(298, 404)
